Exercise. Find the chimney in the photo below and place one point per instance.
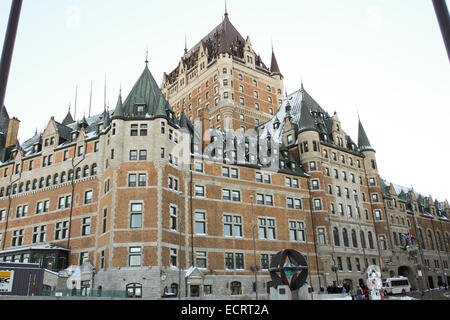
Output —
(13, 131)
(204, 118)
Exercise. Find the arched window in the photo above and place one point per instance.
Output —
(48, 181)
(354, 239)
(78, 173)
(14, 190)
(34, 186)
(383, 245)
(174, 288)
(21, 187)
(430, 239)
(41, 182)
(363, 239)
(2, 191)
(134, 290)
(63, 177)
(422, 239)
(336, 236)
(55, 179)
(94, 169)
(27, 185)
(345, 237)
(236, 288)
(439, 241)
(85, 171)
(369, 236)
(70, 175)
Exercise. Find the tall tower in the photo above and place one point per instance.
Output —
(224, 75)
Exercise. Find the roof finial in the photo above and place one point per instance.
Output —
(146, 57)
(226, 11)
(185, 44)
(90, 100)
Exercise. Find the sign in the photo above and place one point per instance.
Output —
(6, 281)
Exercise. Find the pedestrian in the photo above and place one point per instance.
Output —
(366, 292)
(343, 290)
(359, 293)
(352, 293)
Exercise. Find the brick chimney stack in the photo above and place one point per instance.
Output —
(13, 131)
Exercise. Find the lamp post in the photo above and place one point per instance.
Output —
(255, 267)
(179, 245)
(8, 47)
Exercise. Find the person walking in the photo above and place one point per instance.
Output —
(359, 293)
(353, 293)
(366, 292)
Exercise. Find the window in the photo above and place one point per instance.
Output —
(199, 191)
(383, 245)
(266, 228)
(134, 256)
(235, 288)
(134, 130)
(269, 200)
(372, 181)
(136, 216)
(86, 227)
(321, 236)
(339, 262)
(336, 237)
(133, 155)
(39, 234)
(173, 218)
(142, 182)
(378, 215)
(105, 219)
(234, 261)
(200, 223)
(265, 260)
(173, 257)
(315, 184)
(349, 264)
(17, 238)
(232, 226)
(88, 197)
(198, 167)
(296, 231)
(375, 197)
(354, 239)
(317, 204)
(172, 183)
(345, 237)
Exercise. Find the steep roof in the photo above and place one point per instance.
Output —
(146, 92)
(68, 119)
(363, 141)
(274, 69)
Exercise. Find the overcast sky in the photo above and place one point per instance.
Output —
(383, 59)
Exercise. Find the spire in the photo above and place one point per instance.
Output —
(223, 44)
(363, 141)
(68, 119)
(274, 69)
(306, 120)
(119, 112)
(185, 44)
(146, 57)
(226, 11)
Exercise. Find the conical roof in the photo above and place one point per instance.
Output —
(274, 69)
(68, 119)
(146, 92)
(119, 112)
(306, 122)
(363, 141)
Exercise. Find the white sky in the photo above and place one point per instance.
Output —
(382, 58)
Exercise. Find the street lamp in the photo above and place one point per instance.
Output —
(255, 267)
(179, 245)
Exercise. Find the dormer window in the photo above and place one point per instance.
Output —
(52, 141)
(140, 109)
(74, 136)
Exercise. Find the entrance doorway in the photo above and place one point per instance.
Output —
(430, 281)
(195, 291)
(407, 272)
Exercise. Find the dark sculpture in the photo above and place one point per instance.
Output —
(296, 268)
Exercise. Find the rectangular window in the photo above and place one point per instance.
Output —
(142, 155)
(132, 180)
(88, 197)
(296, 231)
(200, 223)
(232, 226)
(142, 180)
(201, 259)
(173, 257)
(269, 200)
(199, 191)
(86, 227)
(105, 217)
(317, 204)
(133, 155)
(135, 257)
(266, 228)
(173, 219)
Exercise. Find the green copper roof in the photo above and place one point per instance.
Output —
(146, 92)
(363, 141)
(118, 112)
(306, 122)
(68, 119)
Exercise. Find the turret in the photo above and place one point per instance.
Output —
(366, 149)
(308, 136)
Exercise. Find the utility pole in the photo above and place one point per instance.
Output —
(443, 17)
(8, 48)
